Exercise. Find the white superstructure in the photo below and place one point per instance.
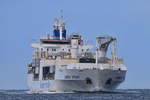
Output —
(66, 64)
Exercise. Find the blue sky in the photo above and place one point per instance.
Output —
(23, 21)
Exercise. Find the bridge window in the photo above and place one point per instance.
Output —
(53, 49)
(47, 49)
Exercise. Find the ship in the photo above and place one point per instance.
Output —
(65, 63)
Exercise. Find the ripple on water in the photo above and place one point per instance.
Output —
(130, 94)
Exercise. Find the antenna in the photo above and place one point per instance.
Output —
(61, 14)
(62, 17)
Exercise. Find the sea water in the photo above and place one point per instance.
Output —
(128, 94)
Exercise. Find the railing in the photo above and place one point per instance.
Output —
(92, 66)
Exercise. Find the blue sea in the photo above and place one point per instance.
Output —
(128, 94)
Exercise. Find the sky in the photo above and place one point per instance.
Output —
(25, 21)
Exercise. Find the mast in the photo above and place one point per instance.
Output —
(96, 51)
(59, 28)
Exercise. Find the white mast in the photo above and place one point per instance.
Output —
(61, 25)
(96, 51)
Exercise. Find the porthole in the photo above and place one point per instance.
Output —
(88, 81)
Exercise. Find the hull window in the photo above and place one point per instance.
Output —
(88, 81)
(109, 81)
